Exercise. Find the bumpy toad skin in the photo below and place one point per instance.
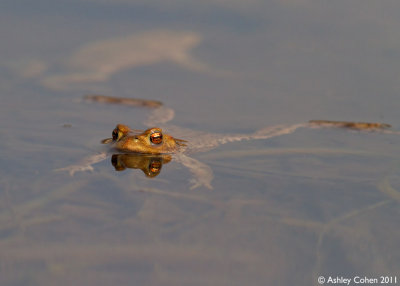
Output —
(150, 141)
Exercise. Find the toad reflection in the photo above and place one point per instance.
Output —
(150, 164)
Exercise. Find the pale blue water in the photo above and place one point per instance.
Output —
(282, 211)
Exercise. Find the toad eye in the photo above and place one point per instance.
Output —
(115, 134)
(156, 137)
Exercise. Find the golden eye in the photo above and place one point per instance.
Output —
(156, 137)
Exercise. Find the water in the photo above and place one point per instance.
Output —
(283, 211)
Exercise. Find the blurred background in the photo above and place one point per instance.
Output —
(282, 211)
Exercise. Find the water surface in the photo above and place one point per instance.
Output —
(282, 211)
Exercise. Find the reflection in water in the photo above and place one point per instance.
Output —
(104, 228)
(150, 164)
(281, 218)
(98, 61)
